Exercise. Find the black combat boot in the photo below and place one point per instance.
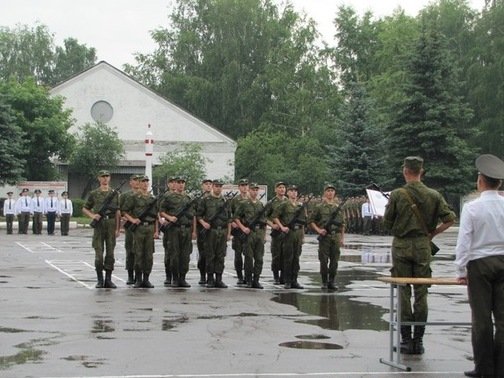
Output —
(282, 278)
(295, 284)
(240, 281)
(168, 279)
(276, 278)
(248, 280)
(182, 281)
(218, 281)
(202, 280)
(256, 284)
(99, 276)
(406, 341)
(324, 281)
(330, 283)
(418, 333)
(145, 282)
(138, 280)
(131, 277)
(108, 280)
(210, 280)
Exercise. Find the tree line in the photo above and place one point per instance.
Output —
(306, 110)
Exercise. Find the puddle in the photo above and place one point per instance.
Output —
(100, 326)
(169, 324)
(310, 345)
(28, 353)
(312, 337)
(11, 330)
(85, 361)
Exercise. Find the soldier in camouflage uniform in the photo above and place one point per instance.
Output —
(106, 230)
(206, 189)
(283, 215)
(179, 232)
(237, 243)
(330, 235)
(411, 250)
(134, 184)
(276, 239)
(141, 210)
(214, 216)
(251, 220)
(172, 184)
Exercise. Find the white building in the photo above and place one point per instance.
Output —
(104, 93)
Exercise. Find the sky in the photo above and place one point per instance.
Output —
(119, 28)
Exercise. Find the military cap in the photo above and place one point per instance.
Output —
(144, 178)
(25, 190)
(181, 178)
(65, 193)
(292, 187)
(218, 182)
(329, 186)
(37, 191)
(415, 163)
(50, 191)
(243, 181)
(254, 185)
(490, 166)
(103, 172)
(206, 180)
(278, 183)
(134, 177)
(172, 178)
(9, 193)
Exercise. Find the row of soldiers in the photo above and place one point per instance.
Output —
(212, 219)
(36, 208)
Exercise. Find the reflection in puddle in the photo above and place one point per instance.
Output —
(310, 345)
(169, 324)
(85, 361)
(369, 253)
(312, 337)
(100, 326)
(11, 330)
(27, 354)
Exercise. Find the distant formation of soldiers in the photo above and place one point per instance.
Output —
(35, 208)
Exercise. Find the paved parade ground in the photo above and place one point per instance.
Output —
(54, 323)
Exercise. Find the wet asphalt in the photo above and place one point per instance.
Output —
(54, 323)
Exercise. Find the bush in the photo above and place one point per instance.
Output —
(77, 207)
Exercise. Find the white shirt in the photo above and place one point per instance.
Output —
(9, 206)
(65, 206)
(37, 206)
(23, 205)
(481, 231)
(51, 204)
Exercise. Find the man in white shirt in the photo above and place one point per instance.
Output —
(65, 212)
(23, 211)
(367, 217)
(480, 265)
(37, 209)
(9, 210)
(51, 209)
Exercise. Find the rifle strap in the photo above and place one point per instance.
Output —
(415, 210)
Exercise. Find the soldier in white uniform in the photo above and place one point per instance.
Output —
(51, 210)
(9, 210)
(37, 209)
(65, 212)
(23, 211)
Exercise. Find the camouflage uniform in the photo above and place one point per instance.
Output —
(201, 245)
(276, 243)
(178, 236)
(247, 212)
(237, 243)
(411, 252)
(128, 241)
(104, 234)
(143, 235)
(292, 241)
(215, 240)
(329, 245)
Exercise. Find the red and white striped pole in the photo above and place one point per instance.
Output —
(149, 149)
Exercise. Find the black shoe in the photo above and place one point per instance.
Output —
(183, 283)
(324, 286)
(473, 373)
(287, 286)
(241, 281)
(257, 285)
(277, 281)
(296, 285)
(131, 278)
(418, 347)
(332, 286)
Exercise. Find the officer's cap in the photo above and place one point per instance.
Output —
(50, 191)
(415, 163)
(218, 182)
(490, 166)
(243, 181)
(9, 193)
(329, 186)
(65, 193)
(278, 183)
(36, 191)
(25, 190)
(103, 173)
(254, 185)
(292, 187)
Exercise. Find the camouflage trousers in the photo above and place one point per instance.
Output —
(104, 240)
(329, 254)
(143, 244)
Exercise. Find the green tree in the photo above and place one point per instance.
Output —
(97, 147)
(186, 161)
(45, 125)
(70, 59)
(11, 146)
(429, 120)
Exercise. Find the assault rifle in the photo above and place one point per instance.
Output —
(332, 219)
(105, 204)
(294, 219)
(434, 248)
(229, 196)
(237, 232)
(166, 226)
(133, 226)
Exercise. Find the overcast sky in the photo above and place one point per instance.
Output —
(119, 28)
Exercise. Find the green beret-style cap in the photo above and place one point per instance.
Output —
(103, 172)
(415, 163)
